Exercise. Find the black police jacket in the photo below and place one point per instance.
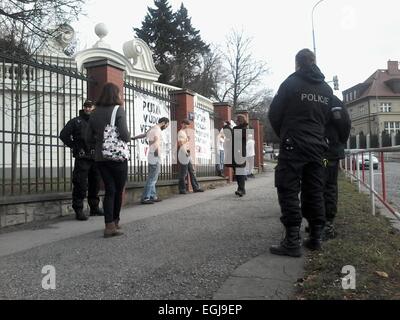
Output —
(73, 136)
(299, 113)
(337, 130)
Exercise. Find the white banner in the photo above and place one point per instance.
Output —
(203, 142)
(148, 110)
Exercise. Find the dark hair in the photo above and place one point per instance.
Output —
(165, 120)
(109, 96)
(185, 121)
(88, 103)
(243, 117)
(305, 58)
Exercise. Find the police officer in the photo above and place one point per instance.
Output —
(337, 133)
(85, 175)
(298, 115)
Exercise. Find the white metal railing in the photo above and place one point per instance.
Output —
(355, 165)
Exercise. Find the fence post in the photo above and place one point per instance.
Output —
(255, 124)
(224, 112)
(358, 141)
(101, 72)
(393, 136)
(371, 183)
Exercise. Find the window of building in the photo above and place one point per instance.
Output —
(362, 110)
(385, 107)
(355, 94)
(392, 126)
(351, 95)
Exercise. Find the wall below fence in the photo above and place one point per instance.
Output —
(45, 207)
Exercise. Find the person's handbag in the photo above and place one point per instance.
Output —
(114, 149)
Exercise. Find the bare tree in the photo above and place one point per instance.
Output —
(243, 73)
(28, 24)
(208, 76)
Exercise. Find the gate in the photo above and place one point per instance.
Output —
(37, 97)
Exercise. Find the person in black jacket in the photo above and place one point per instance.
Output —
(113, 173)
(298, 115)
(86, 176)
(236, 152)
(337, 133)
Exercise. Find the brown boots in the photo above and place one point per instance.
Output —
(111, 230)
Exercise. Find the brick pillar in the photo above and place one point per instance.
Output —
(223, 111)
(184, 109)
(101, 72)
(255, 125)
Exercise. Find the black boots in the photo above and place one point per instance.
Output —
(315, 238)
(329, 231)
(80, 215)
(96, 211)
(291, 245)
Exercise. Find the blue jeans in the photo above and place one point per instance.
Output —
(149, 191)
(221, 160)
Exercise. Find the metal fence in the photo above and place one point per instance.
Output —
(135, 97)
(369, 168)
(37, 96)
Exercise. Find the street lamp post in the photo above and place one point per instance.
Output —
(313, 32)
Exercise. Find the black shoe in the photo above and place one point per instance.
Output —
(147, 201)
(315, 238)
(182, 192)
(239, 193)
(81, 216)
(96, 212)
(290, 246)
(198, 190)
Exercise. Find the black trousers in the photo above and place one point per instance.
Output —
(293, 177)
(331, 189)
(85, 179)
(114, 176)
(240, 177)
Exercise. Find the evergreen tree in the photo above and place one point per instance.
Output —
(158, 31)
(177, 46)
(189, 50)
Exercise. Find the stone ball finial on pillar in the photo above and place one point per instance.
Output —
(101, 31)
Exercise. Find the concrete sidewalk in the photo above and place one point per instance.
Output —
(257, 275)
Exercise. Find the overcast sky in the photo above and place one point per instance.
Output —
(353, 37)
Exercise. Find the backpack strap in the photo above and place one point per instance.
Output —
(114, 115)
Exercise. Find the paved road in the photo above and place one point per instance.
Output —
(186, 247)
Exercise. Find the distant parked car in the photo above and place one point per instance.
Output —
(375, 162)
(268, 149)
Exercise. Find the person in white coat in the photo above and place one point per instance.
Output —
(250, 155)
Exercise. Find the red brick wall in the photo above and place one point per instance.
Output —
(102, 75)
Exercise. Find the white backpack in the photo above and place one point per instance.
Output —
(114, 148)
